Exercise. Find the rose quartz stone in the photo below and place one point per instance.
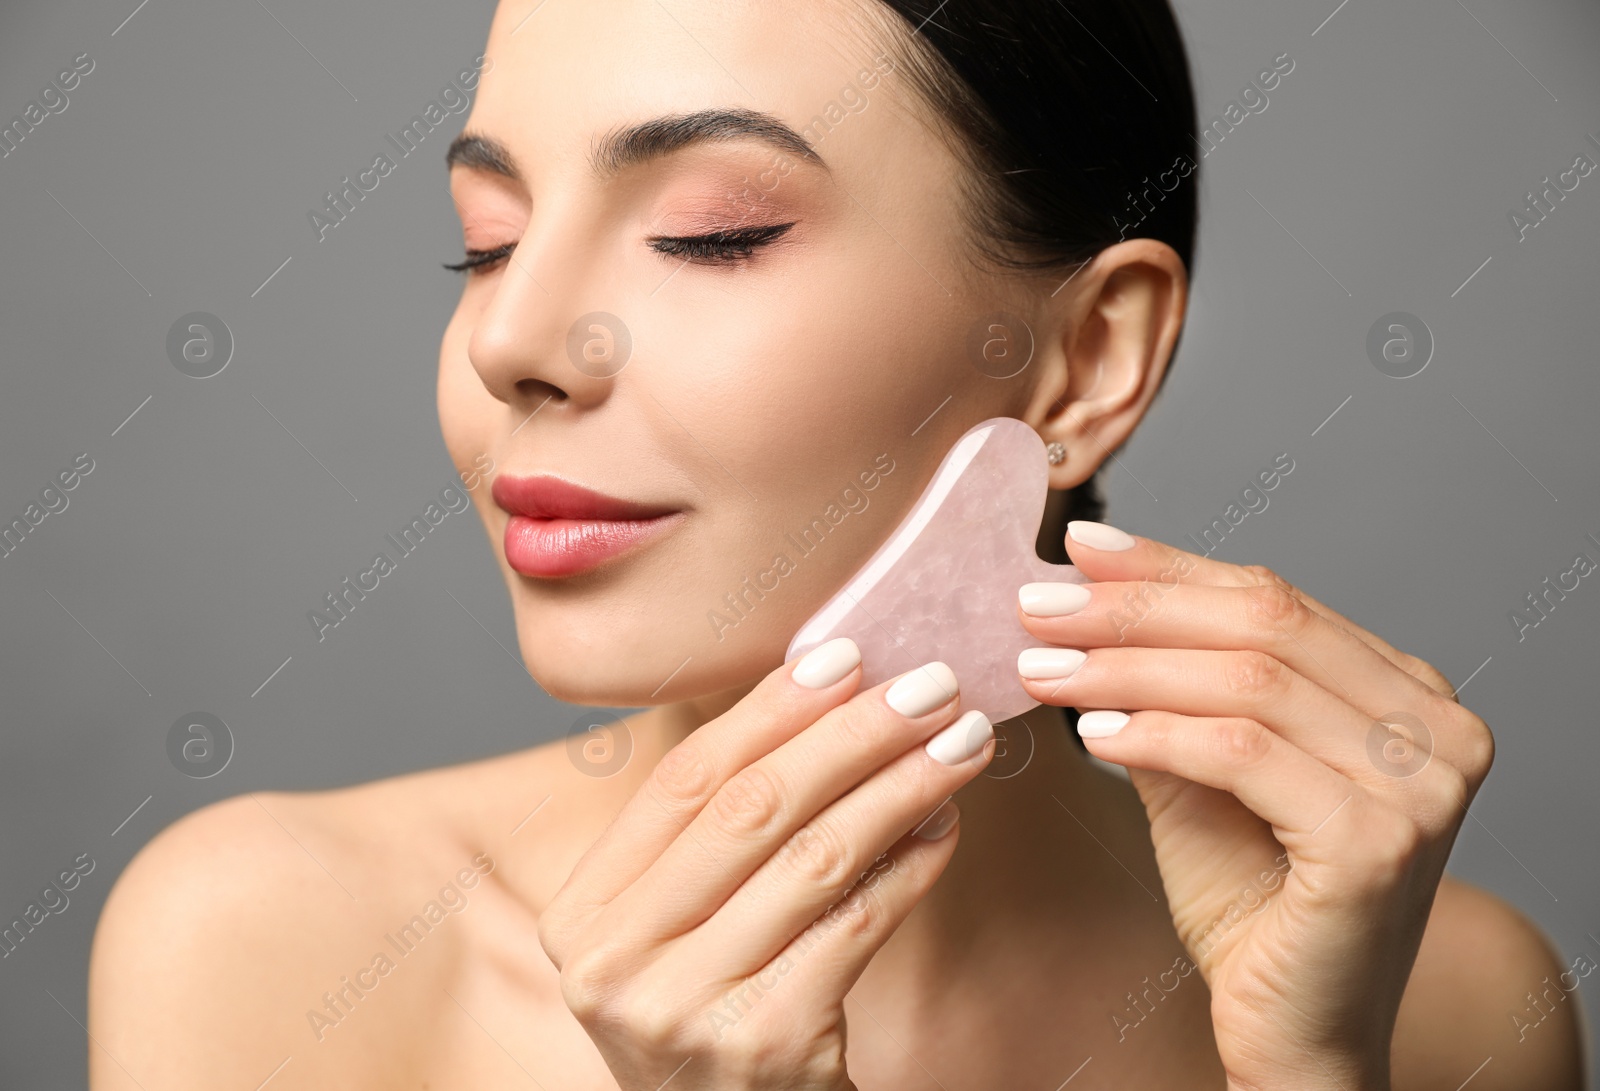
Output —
(944, 584)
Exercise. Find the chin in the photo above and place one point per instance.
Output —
(639, 665)
(638, 633)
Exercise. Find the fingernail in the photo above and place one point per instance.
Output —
(1101, 722)
(1049, 662)
(825, 664)
(1099, 535)
(919, 692)
(940, 822)
(1052, 599)
(961, 740)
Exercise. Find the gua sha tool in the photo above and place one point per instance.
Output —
(944, 585)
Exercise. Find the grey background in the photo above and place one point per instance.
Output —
(178, 580)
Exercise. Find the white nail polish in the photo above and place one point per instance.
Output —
(1040, 663)
(961, 740)
(1101, 722)
(940, 822)
(919, 692)
(1052, 599)
(825, 664)
(1099, 535)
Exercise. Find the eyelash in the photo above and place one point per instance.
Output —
(477, 259)
(718, 247)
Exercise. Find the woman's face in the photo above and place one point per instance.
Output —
(798, 390)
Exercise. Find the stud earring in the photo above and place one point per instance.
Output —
(1056, 453)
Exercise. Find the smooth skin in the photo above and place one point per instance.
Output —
(591, 925)
(1257, 730)
(725, 880)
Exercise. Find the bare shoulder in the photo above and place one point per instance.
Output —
(184, 921)
(1490, 999)
(244, 932)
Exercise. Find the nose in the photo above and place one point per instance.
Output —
(530, 345)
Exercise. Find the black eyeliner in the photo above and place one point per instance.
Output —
(731, 244)
(728, 245)
(476, 258)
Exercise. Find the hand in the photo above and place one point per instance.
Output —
(1264, 749)
(711, 933)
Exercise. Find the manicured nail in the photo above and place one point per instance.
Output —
(825, 664)
(961, 740)
(940, 822)
(1099, 535)
(1052, 599)
(1101, 722)
(1049, 662)
(919, 692)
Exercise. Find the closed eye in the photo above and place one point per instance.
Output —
(714, 248)
(479, 261)
(719, 247)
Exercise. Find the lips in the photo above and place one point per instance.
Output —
(558, 528)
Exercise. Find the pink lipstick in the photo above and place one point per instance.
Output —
(558, 528)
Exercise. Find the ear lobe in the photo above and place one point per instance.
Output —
(1112, 355)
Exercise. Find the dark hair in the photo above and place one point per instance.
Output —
(1068, 113)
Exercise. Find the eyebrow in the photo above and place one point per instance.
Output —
(630, 145)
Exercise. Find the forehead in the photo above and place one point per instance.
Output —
(562, 72)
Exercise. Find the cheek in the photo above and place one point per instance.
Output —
(806, 381)
(799, 387)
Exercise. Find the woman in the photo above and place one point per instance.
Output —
(728, 264)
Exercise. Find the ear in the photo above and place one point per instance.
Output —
(1110, 333)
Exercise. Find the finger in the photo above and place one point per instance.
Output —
(1104, 552)
(837, 847)
(788, 700)
(1266, 619)
(759, 809)
(1193, 682)
(1282, 784)
(827, 957)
